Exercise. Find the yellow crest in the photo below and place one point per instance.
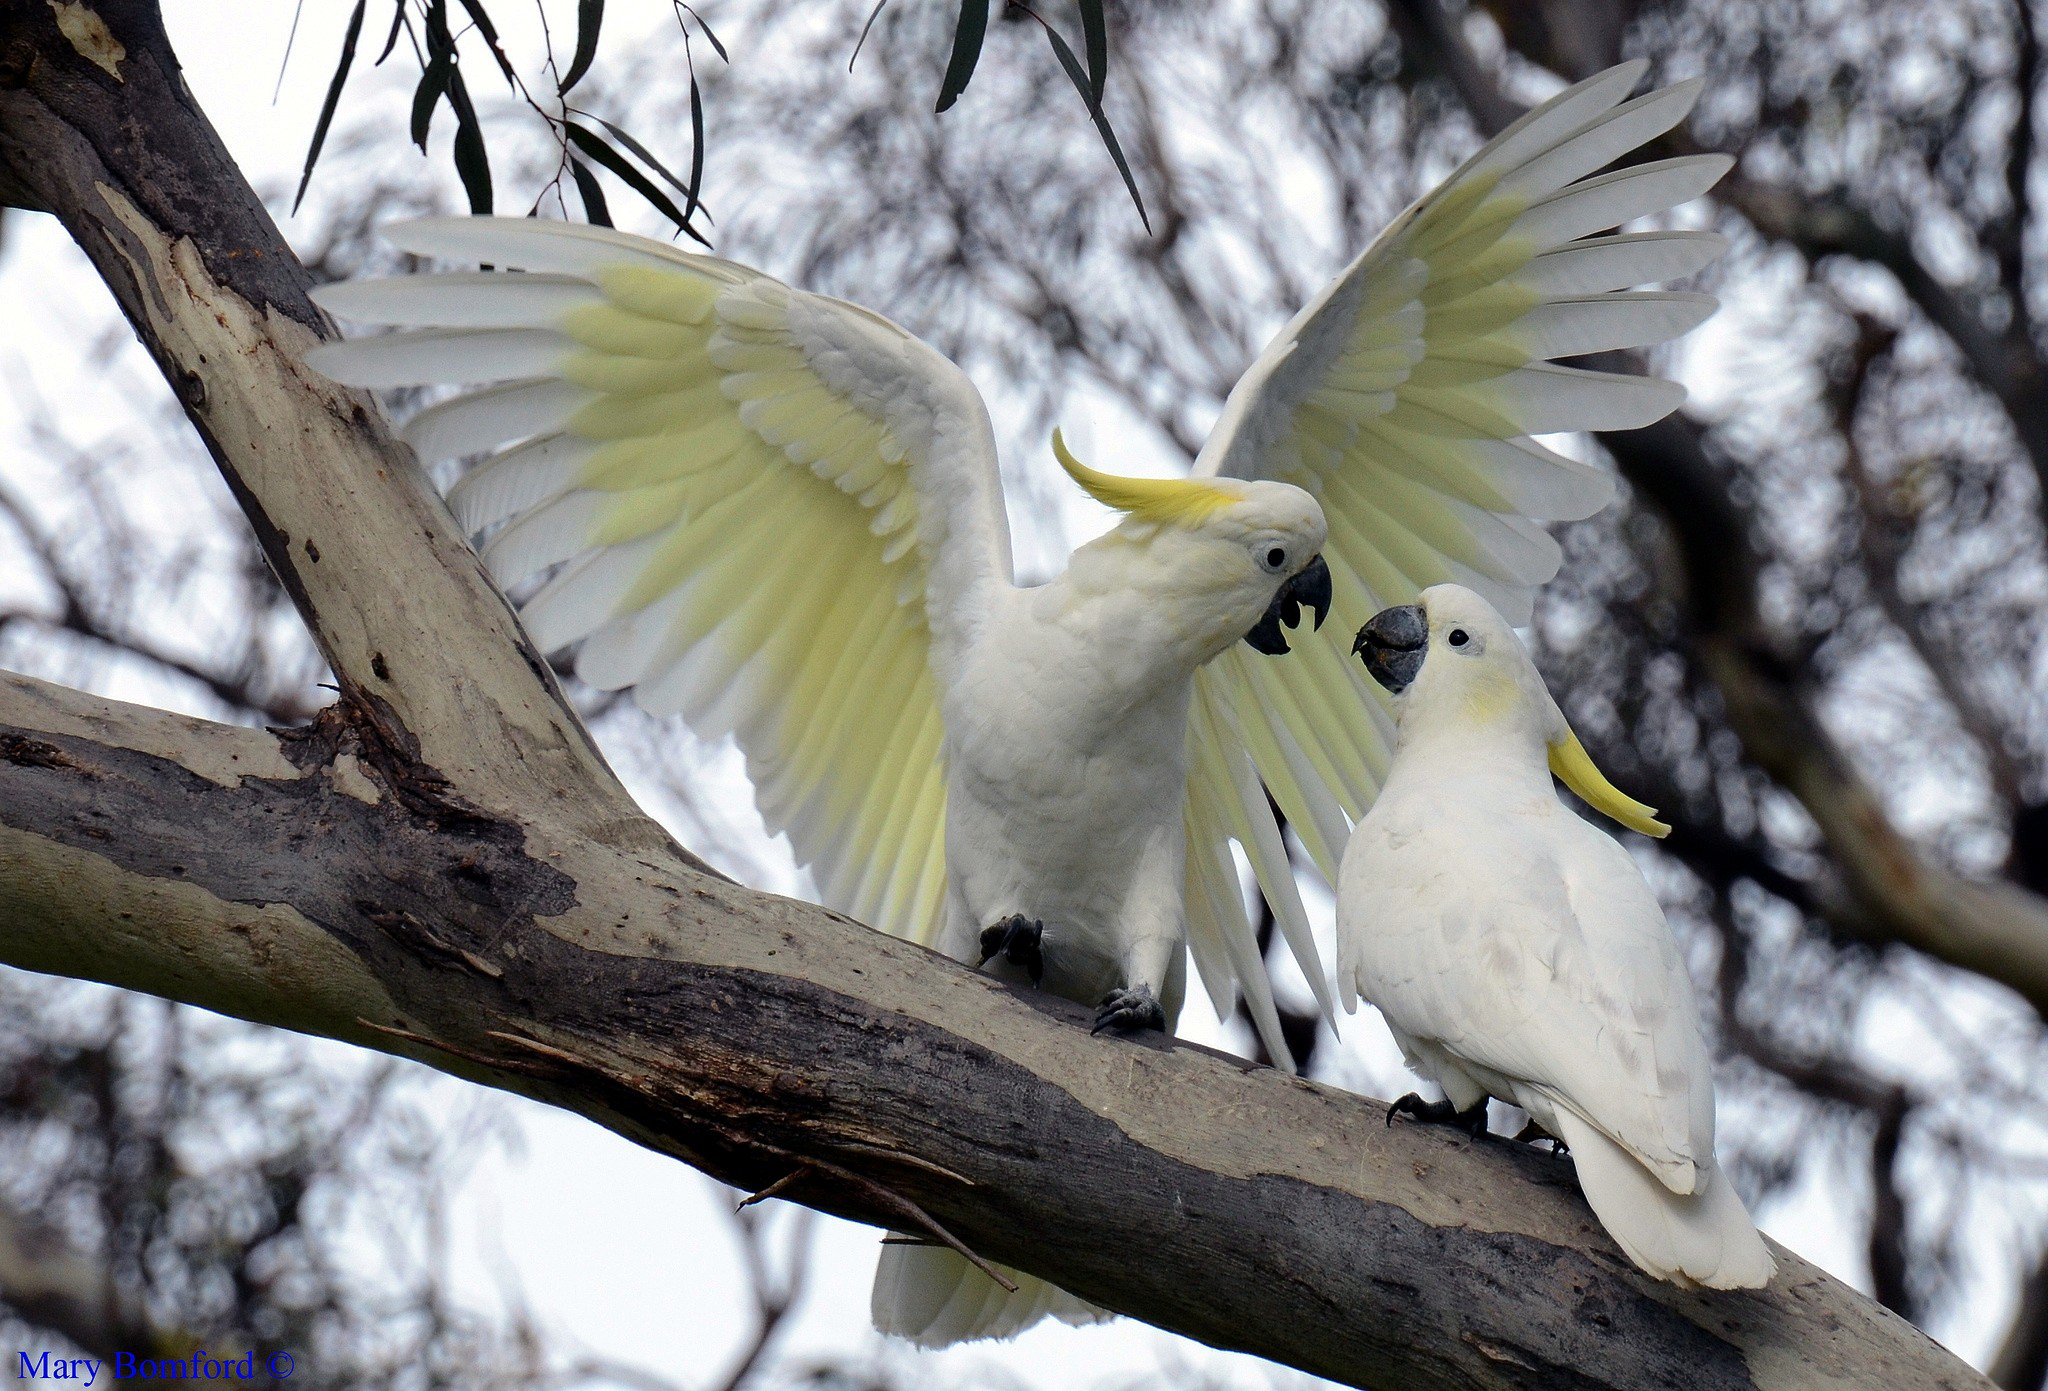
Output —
(1164, 501)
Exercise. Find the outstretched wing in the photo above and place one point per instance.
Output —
(1405, 397)
(775, 513)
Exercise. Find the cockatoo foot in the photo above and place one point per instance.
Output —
(1534, 1134)
(1472, 1122)
(1016, 940)
(1130, 1010)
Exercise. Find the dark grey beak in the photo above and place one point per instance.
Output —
(1312, 587)
(1392, 645)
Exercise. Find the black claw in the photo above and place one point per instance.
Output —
(1534, 1134)
(1016, 938)
(1472, 1122)
(1128, 1011)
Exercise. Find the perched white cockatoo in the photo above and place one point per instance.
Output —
(780, 515)
(1516, 951)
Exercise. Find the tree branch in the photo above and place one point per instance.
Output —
(2021, 1362)
(1884, 541)
(1821, 225)
(2010, 238)
(1994, 929)
(753, 1036)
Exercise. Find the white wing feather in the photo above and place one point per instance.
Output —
(1404, 396)
(774, 512)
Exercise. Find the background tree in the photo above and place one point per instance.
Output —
(1815, 634)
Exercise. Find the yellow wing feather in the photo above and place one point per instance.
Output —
(750, 536)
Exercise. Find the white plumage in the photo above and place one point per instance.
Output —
(933, 1297)
(1516, 951)
(779, 515)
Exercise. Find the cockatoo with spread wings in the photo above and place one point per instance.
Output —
(779, 515)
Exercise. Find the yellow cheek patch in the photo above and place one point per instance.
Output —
(1570, 761)
(1493, 698)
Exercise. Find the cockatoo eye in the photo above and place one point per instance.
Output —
(1459, 637)
(1274, 559)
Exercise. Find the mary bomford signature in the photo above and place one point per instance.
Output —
(200, 1366)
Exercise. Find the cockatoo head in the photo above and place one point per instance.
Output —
(1455, 665)
(1245, 555)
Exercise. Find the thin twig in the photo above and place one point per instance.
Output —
(763, 1195)
(885, 1152)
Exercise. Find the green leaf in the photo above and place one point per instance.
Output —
(472, 165)
(334, 86)
(696, 146)
(1095, 43)
(861, 42)
(594, 209)
(391, 39)
(646, 156)
(426, 96)
(968, 34)
(589, 19)
(1079, 76)
(723, 56)
(482, 20)
(593, 145)
(436, 75)
(436, 20)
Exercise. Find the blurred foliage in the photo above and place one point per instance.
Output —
(169, 1180)
(172, 1180)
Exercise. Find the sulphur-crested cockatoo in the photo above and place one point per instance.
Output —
(1515, 949)
(780, 515)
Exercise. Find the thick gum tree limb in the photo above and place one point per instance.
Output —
(278, 877)
(441, 866)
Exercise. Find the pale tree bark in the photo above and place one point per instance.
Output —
(442, 866)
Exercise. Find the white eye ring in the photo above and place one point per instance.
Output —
(1272, 559)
